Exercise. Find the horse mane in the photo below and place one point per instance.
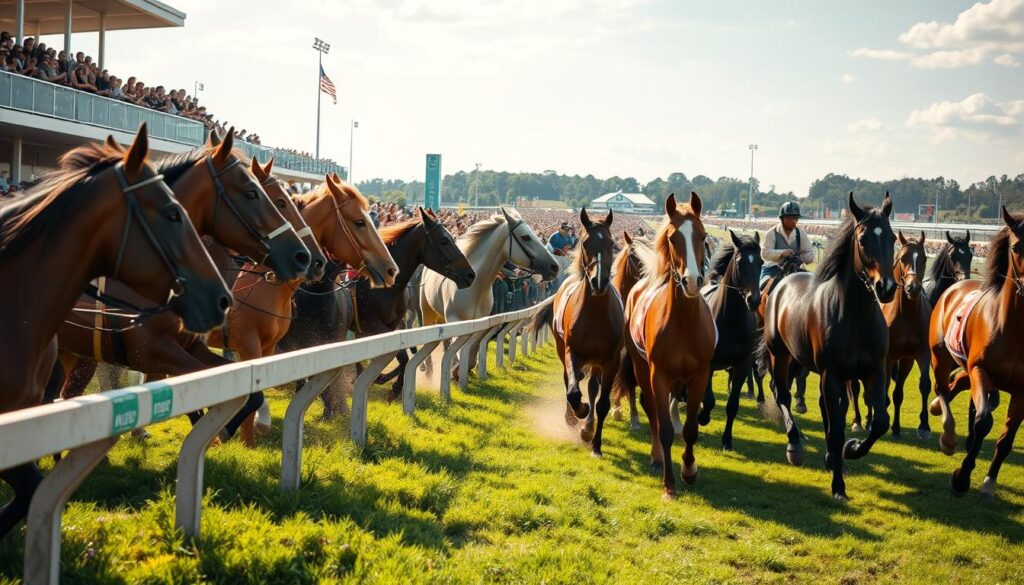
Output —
(720, 261)
(837, 257)
(53, 198)
(479, 231)
(322, 190)
(943, 263)
(392, 233)
(999, 257)
(174, 166)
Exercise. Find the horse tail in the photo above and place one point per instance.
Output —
(625, 379)
(761, 357)
(545, 316)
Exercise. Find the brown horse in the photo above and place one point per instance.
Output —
(626, 272)
(337, 214)
(159, 347)
(907, 317)
(982, 323)
(103, 213)
(670, 334)
(831, 323)
(588, 326)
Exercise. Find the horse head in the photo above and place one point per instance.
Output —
(746, 266)
(1015, 243)
(354, 239)
(682, 247)
(525, 249)
(597, 252)
(961, 254)
(279, 196)
(873, 243)
(910, 265)
(442, 255)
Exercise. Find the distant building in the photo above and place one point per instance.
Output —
(627, 202)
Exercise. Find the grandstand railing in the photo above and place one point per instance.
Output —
(89, 426)
(36, 96)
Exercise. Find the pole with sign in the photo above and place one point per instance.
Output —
(432, 190)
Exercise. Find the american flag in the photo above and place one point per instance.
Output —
(327, 86)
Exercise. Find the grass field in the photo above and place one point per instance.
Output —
(493, 488)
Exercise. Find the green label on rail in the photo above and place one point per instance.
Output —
(126, 413)
(163, 401)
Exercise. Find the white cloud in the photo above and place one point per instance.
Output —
(984, 32)
(866, 146)
(867, 125)
(977, 117)
(847, 78)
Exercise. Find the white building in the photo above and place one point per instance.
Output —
(627, 202)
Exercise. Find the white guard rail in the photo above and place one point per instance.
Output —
(89, 426)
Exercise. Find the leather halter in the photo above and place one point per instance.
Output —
(678, 277)
(344, 229)
(858, 266)
(222, 195)
(1015, 273)
(912, 271)
(305, 231)
(535, 266)
(448, 271)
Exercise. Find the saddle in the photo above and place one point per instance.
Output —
(954, 338)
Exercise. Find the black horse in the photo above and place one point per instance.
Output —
(759, 368)
(831, 323)
(951, 264)
(733, 299)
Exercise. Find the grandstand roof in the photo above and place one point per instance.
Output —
(634, 198)
(46, 17)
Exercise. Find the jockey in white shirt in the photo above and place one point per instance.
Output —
(784, 241)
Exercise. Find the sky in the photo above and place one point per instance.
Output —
(873, 89)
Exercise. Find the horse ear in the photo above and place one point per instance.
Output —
(269, 167)
(508, 217)
(334, 188)
(695, 202)
(336, 177)
(136, 155)
(887, 205)
(858, 213)
(670, 205)
(901, 237)
(224, 149)
(585, 219)
(735, 240)
(608, 218)
(424, 217)
(214, 138)
(757, 237)
(1008, 219)
(256, 169)
(626, 237)
(968, 236)
(113, 144)
(922, 237)
(949, 237)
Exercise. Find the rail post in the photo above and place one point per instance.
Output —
(360, 397)
(465, 358)
(481, 366)
(293, 424)
(453, 348)
(409, 377)
(499, 349)
(525, 337)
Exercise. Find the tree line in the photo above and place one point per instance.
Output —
(724, 193)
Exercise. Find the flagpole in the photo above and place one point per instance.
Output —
(351, 141)
(321, 48)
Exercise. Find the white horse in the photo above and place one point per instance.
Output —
(488, 244)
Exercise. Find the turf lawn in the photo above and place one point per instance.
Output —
(493, 488)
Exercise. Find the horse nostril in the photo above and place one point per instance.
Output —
(224, 303)
(318, 265)
(470, 274)
(554, 268)
(700, 281)
(392, 272)
(302, 258)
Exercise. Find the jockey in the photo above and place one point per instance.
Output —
(784, 241)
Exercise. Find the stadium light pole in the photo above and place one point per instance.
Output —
(476, 187)
(322, 49)
(351, 143)
(750, 192)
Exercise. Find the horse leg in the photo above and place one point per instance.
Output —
(780, 387)
(875, 390)
(759, 382)
(704, 418)
(23, 479)
(602, 406)
(688, 469)
(647, 403)
(732, 406)
(750, 382)
(924, 430)
(573, 395)
(662, 388)
(397, 385)
(1014, 416)
(593, 387)
(853, 393)
(673, 412)
(832, 388)
(981, 385)
(801, 391)
(942, 364)
(902, 370)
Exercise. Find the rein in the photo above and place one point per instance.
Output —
(222, 195)
(534, 265)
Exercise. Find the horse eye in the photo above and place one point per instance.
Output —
(360, 223)
(524, 238)
(280, 203)
(445, 242)
(173, 215)
(251, 195)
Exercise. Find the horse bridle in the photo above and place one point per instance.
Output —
(447, 271)
(535, 266)
(348, 233)
(901, 282)
(858, 267)
(222, 195)
(305, 231)
(133, 210)
(677, 277)
(1015, 273)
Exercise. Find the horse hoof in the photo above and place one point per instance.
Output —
(946, 445)
(668, 495)
(689, 475)
(597, 454)
(795, 455)
(801, 407)
(856, 428)
(935, 407)
(841, 497)
(988, 488)
(583, 412)
(727, 447)
(616, 413)
(897, 432)
(749, 395)
(703, 419)
(760, 400)
(263, 430)
(586, 434)
(958, 487)
(850, 449)
(924, 434)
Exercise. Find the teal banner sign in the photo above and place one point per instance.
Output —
(126, 413)
(432, 197)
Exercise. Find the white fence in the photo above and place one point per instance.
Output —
(89, 426)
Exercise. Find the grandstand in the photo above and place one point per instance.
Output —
(40, 120)
(627, 202)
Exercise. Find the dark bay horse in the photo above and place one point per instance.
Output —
(587, 318)
(907, 317)
(671, 335)
(790, 265)
(983, 324)
(733, 299)
(104, 212)
(326, 314)
(831, 323)
(626, 272)
(951, 265)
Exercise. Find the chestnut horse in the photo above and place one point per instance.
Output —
(588, 320)
(984, 323)
(907, 317)
(337, 214)
(670, 334)
(626, 272)
(831, 323)
(103, 213)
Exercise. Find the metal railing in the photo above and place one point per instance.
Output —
(89, 426)
(44, 98)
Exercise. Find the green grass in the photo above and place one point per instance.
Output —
(488, 489)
